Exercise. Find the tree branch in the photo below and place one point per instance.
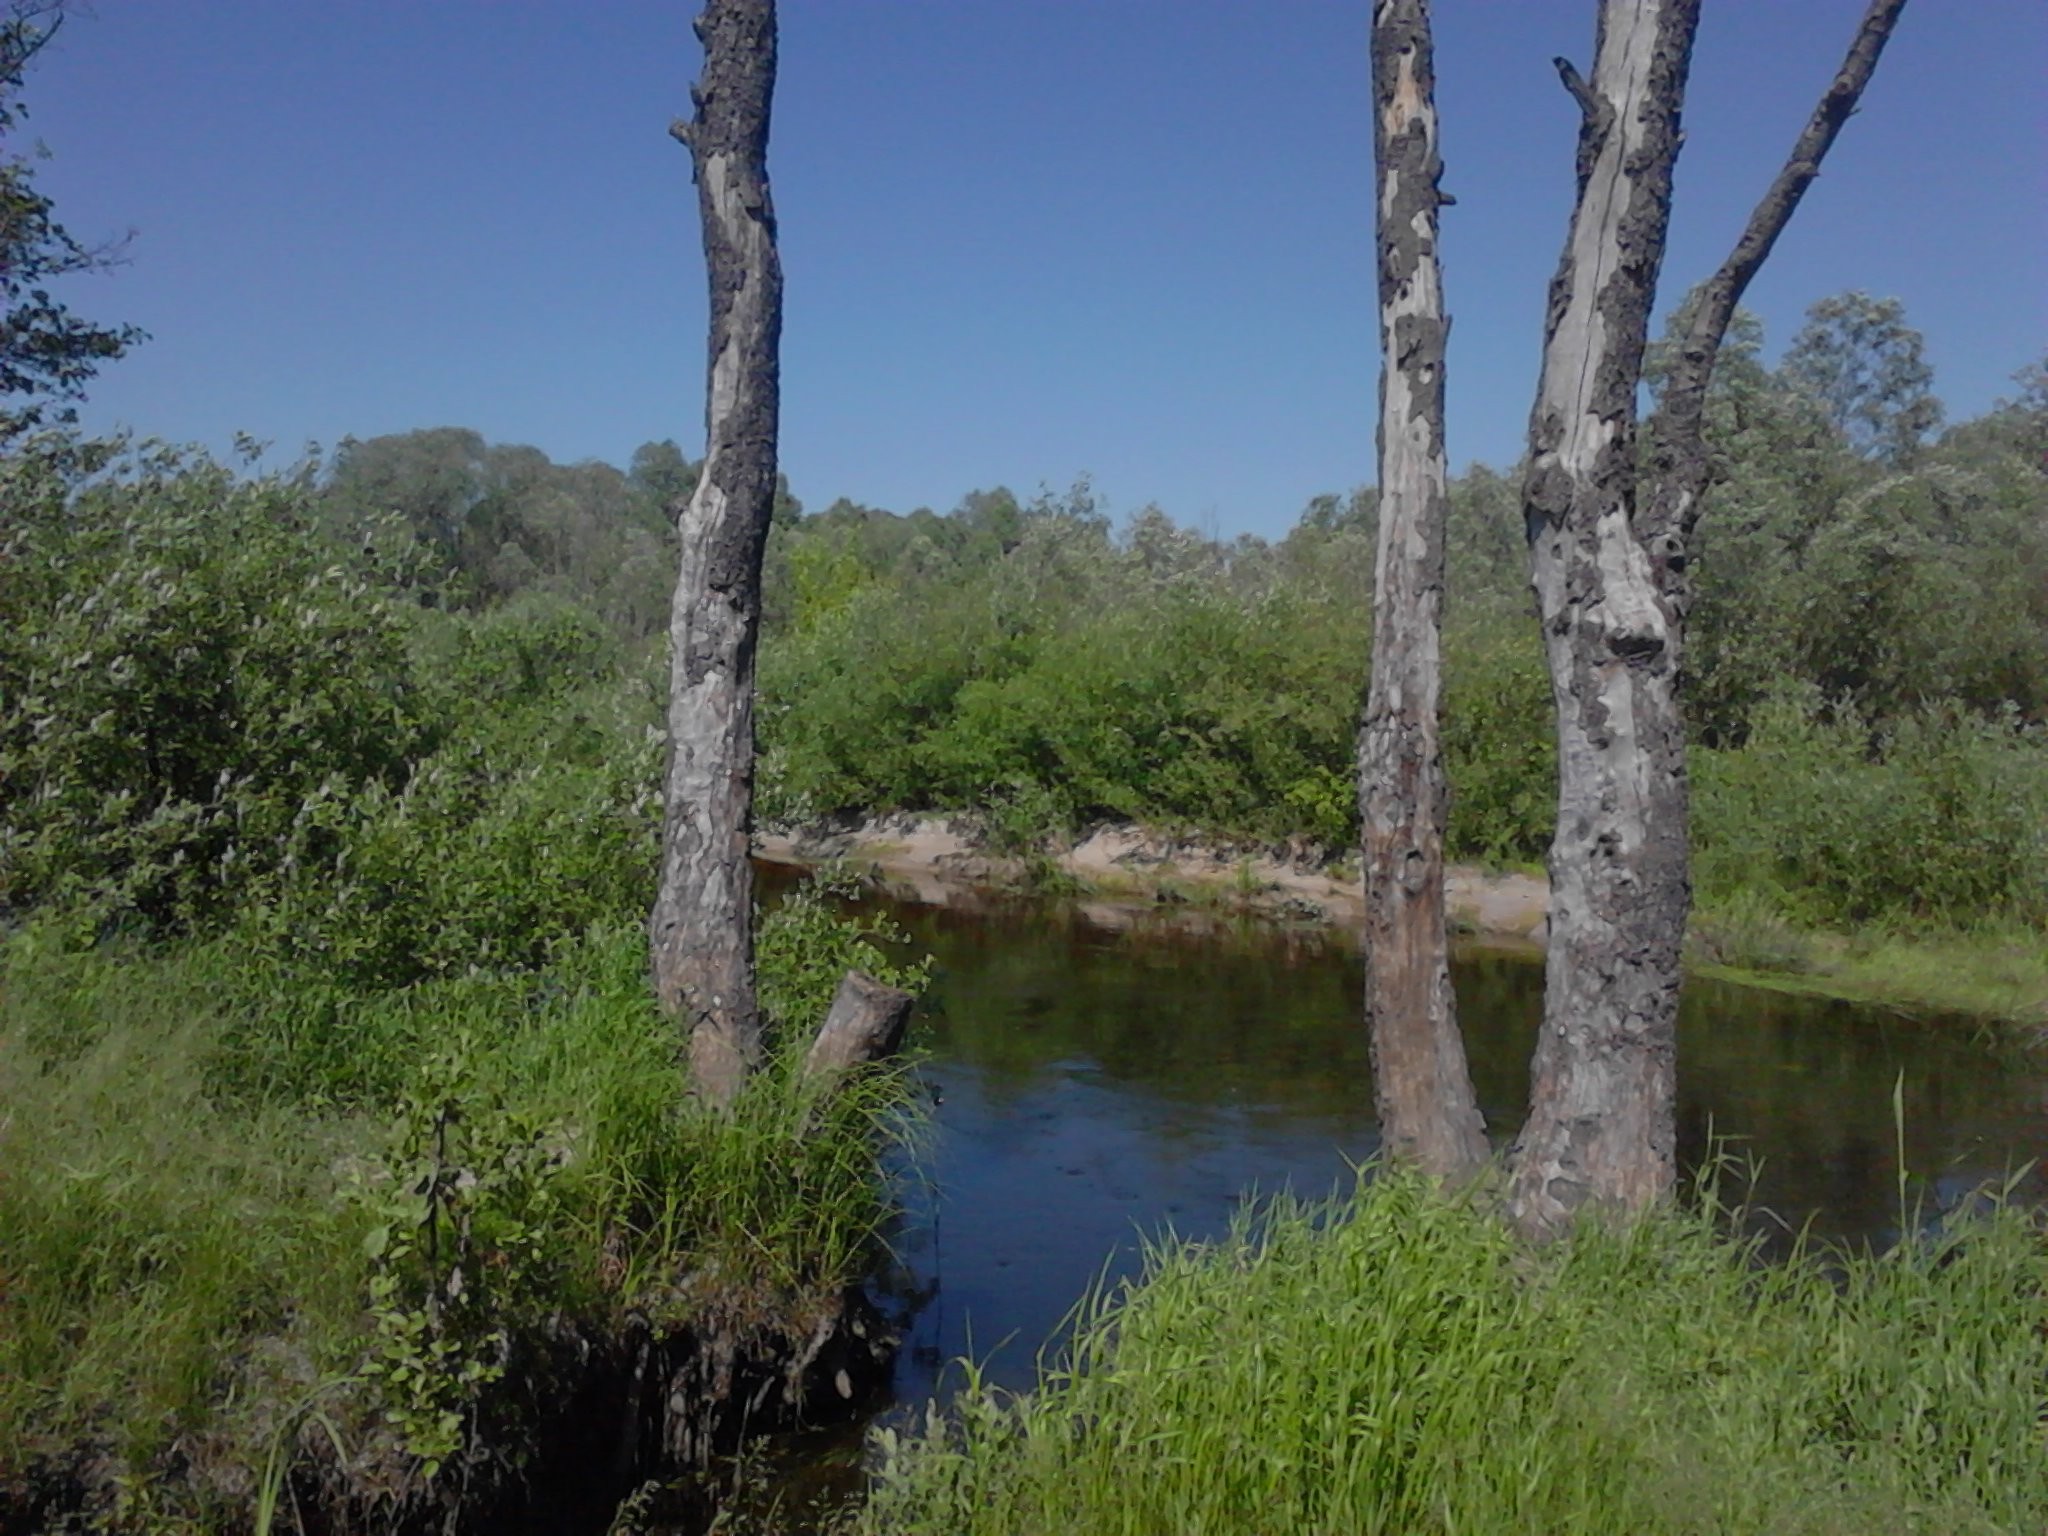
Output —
(1596, 118)
(1680, 464)
(1582, 93)
(25, 32)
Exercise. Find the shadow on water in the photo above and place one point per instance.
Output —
(1098, 1084)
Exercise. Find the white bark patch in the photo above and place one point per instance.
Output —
(1581, 337)
(729, 208)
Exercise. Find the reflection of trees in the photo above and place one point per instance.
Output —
(1806, 1085)
(1250, 1019)
(1187, 1018)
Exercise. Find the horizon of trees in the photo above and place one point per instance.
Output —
(1839, 528)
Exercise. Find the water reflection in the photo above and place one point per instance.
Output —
(1099, 1084)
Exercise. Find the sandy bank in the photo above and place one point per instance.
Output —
(1121, 870)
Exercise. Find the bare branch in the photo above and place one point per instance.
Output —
(1582, 93)
(1596, 117)
(1679, 424)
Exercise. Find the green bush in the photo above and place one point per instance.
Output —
(517, 653)
(1939, 816)
(1500, 741)
(184, 665)
(519, 833)
(209, 716)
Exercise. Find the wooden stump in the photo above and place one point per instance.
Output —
(864, 1024)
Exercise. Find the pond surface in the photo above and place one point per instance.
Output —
(1101, 1079)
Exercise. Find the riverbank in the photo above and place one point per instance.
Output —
(1121, 874)
(1394, 1360)
(1117, 872)
(277, 1258)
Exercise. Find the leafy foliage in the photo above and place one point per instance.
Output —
(1023, 663)
(1868, 371)
(461, 1207)
(192, 670)
(502, 520)
(1935, 818)
(47, 354)
(331, 1068)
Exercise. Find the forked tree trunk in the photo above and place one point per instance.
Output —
(1612, 587)
(1601, 1124)
(1427, 1111)
(1679, 467)
(701, 931)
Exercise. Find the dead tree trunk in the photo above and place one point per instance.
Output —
(1601, 1124)
(1427, 1111)
(1611, 586)
(865, 1024)
(701, 930)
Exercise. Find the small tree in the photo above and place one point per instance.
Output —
(47, 354)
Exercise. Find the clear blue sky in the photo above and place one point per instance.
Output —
(1024, 239)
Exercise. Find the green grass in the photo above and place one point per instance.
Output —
(214, 1219)
(144, 1228)
(1396, 1362)
(1994, 971)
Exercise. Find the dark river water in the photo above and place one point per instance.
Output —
(1100, 1081)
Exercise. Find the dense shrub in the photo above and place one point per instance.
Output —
(1936, 816)
(211, 715)
(184, 665)
(1500, 741)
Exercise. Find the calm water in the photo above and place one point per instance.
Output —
(1096, 1086)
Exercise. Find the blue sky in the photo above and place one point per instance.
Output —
(1024, 239)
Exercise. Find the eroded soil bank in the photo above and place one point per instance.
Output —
(584, 1421)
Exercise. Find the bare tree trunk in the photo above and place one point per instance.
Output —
(1427, 1111)
(701, 930)
(1611, 583)
(1601, 1124)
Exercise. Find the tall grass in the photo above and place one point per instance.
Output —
(146, 1230)
(1395, 1362)
(188, 1248)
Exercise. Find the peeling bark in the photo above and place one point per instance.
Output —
(701, 929)
(1611, 584)
(1428, 1113)
(1601, 1127)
